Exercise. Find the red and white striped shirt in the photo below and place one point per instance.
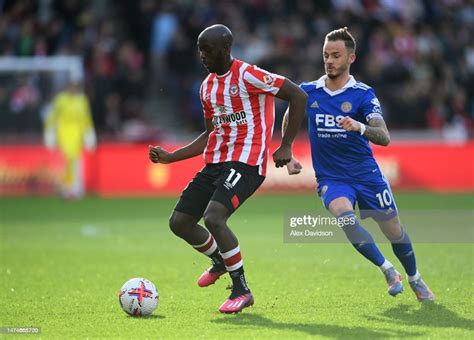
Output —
(241, 105)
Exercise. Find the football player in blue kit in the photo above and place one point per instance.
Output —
(343, 116)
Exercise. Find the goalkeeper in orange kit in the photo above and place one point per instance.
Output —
(70, 128)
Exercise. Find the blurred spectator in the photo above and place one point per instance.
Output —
(162, 35)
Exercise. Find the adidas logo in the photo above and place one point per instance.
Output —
(314, 105)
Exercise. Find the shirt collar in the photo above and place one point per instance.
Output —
(321, 82)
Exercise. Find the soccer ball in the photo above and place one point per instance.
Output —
(138, 297)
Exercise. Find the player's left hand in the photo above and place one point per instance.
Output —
(282, 155)
(293, 167)
(349, 124)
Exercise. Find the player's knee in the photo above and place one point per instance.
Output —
(213, 220)
(392, 230)
(347, 221)
(393, 234)
(178, 224)
(340, 206)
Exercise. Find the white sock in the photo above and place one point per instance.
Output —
(385, 265)
(414, 277)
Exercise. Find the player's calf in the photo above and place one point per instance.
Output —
(360, 238)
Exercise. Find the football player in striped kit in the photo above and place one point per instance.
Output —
(238, 104)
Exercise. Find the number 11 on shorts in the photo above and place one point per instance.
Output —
(235, 180)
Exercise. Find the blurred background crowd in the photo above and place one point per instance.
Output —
(142, 72)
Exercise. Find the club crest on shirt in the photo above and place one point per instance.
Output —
(346, 107)
(234, 90)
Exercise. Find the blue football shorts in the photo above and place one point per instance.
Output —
(374, 200)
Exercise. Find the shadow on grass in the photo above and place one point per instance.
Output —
(333, 331)
(150, 317)
(427, 314)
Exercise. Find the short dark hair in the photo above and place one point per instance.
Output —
(344, 35)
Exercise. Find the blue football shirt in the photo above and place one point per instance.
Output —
(336, 153)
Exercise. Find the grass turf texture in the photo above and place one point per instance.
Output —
(62, 265)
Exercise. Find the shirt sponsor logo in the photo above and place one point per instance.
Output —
(328, 121)
(376, 103)
(234, 117)
(328, 126)
(267, 79)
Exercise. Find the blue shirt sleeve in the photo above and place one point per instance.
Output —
(370, 105)
(305, 86)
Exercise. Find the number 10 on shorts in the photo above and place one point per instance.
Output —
(385, 198)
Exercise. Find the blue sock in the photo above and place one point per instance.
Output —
(404, 251)
(360, 238)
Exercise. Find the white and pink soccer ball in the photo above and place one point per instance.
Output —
(139, 297)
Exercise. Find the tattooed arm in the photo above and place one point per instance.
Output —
(376, 130)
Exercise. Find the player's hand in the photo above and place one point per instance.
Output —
(350, 124)
(294, 167)
(282, 155)
(159, 155)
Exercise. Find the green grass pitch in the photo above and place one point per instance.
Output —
(63, 263)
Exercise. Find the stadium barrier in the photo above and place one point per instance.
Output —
(124, 169)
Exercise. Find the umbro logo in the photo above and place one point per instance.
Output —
(315, 105)
(221, 108)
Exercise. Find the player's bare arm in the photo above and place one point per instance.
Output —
(296, 109)
(159, 155)
(376, 130)
(293, 167)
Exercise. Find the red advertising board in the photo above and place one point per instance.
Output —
(124, 169)
(29, 169)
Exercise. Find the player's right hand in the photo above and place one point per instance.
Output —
(293, 167)
(159, 155)
(282, 155)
